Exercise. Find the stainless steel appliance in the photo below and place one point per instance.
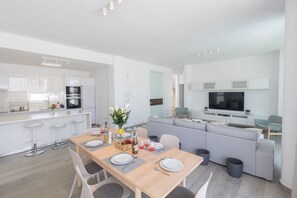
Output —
(73, 97)
(72, 91)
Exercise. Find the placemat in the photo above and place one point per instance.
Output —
(95, 148)
(159, 151)
(136, 162)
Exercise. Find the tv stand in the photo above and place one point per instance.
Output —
(239, 118)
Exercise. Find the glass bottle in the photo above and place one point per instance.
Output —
(105, 133)
(134, 142)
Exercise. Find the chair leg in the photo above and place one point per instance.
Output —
(73, 185)
(105, 174)
(98, 177)
(268, 133)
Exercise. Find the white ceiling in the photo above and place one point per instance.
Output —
(163, 32)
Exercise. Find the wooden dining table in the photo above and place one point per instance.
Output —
(149, 177)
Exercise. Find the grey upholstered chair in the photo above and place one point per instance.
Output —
(182, 112)
(183, 192)
(88, 171)
(109, 187)
(273, 125)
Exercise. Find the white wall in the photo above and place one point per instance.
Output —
(102, 94)
(132, 86)
(260, 102)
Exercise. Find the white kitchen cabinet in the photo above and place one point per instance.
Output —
(72, 81)
(93, 114)
(32, 83)
(53, 84)
(87, 81)
(17, 82)
(4, 81)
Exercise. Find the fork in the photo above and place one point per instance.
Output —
(160, 160)
(161, 171)
(133, 161)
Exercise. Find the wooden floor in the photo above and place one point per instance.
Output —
(51, 175)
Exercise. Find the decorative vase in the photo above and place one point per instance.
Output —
(121, 130)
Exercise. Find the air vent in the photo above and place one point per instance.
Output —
(209, 85)
(239, 84)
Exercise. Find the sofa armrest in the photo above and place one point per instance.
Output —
(265, 159)
(275, 127)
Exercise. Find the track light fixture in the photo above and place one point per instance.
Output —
(53, 62)
(110, 6)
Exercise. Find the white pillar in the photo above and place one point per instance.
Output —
(289, 137)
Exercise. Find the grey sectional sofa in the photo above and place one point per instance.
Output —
(222, 141)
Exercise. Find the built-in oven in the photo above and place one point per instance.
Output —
(73, 97)
(73, 91)
(73, 103)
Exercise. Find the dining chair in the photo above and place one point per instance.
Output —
(109, 187)
(90, 170)
(182, 192)
(170, 140)
(142, 132)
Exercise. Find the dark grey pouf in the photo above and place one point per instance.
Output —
(234, 167)
(205, 154)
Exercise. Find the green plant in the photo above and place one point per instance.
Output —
(120, 115)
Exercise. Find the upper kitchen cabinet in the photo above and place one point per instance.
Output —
(17, 82)
(72, 81)
(33, 83)
(52, 84)
(87, 81)
(4, 81)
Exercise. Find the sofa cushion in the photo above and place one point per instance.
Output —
(162, 120)
(189, 124)
(232, 131)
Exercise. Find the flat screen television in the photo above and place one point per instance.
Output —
(233, 101)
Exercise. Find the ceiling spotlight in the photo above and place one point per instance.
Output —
(104, 11)
(111, 5)
(120, 1)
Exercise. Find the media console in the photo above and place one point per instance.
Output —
(228, 117)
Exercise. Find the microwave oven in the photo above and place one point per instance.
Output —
(73, 91)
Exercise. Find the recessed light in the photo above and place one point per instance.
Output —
(208, 52)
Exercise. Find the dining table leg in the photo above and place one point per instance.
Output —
(137, 193)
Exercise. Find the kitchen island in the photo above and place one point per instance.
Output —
(15, 137)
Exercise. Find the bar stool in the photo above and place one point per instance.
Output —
(35, 150)
(77, 126)
(59, 143)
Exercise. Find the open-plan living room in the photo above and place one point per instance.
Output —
(125, 98)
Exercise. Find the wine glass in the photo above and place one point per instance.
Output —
(151, 147)
(147, 143)
(141, 145)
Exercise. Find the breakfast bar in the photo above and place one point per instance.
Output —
(15, 137)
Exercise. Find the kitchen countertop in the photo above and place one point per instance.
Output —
(25, 117)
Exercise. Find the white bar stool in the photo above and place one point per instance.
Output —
(59, 143)
(35, 150)
(77, 126)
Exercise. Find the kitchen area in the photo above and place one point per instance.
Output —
(26, 98)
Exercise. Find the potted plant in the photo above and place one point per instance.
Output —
(247, 112)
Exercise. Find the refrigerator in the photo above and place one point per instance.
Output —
(88, 101)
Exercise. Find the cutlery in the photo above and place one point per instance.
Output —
(160, 160)
(133, 161)
(161, 171)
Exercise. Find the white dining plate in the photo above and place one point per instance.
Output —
(121, 159)
(172, 165)
(93, 143)
(158, 146)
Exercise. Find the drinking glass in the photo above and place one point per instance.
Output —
(151, 147)
(141, 145)
(147, 143)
